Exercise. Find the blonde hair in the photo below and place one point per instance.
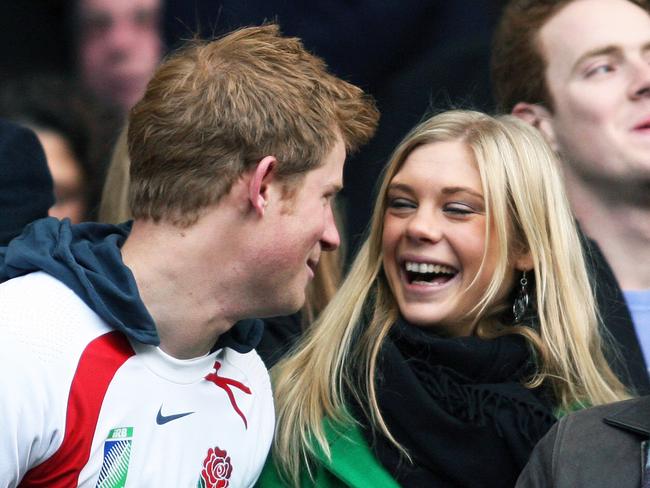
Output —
(527, 209)
(114, 206)
(323, 287)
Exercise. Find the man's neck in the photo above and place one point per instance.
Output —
(187, 317)
(621, 228)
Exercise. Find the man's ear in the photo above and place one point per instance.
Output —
(540, 118)
(258, 185)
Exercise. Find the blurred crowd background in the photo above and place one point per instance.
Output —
(71, 69)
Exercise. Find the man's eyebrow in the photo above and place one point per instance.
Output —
(599, 51)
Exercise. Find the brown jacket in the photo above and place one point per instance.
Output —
(605, 446)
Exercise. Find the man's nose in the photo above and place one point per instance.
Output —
(640, 84)
(122, 35)
(331, 239)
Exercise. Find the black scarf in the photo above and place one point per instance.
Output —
(458, 407)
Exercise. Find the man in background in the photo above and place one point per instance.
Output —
(579, 71)
(118, 46)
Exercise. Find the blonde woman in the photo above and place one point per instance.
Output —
(465, 325)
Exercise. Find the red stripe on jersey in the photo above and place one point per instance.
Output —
(97, 366)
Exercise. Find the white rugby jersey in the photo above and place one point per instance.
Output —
(81, 405)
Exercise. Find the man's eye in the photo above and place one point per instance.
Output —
(328, 199)
(146, 18)
(96, 25)
(600, 69)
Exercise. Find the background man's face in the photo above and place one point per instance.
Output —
(119, 47)
(598, 54)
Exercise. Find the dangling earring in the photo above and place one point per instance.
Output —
(521, 302)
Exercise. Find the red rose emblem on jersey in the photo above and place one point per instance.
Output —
(216, 469)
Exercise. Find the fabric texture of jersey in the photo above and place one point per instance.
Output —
(88, 403)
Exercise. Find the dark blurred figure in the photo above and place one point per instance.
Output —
(33, 36)
(25, 182)
(410, 55)
(599, 447)
(65, 124)
(118, 44)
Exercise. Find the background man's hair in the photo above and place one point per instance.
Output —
(518, 65)
(214, 109)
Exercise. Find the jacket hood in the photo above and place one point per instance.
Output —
(86, 257)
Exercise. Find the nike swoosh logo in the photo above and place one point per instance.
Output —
(163, 419)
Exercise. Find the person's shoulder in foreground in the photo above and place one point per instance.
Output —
(603, 446)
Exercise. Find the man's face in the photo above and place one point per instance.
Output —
(261, 256)
(598, 74)
(297, 230)
(119, 47)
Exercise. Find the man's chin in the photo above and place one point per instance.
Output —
(288, 308)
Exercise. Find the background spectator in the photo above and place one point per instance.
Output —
(578, 71)
(64, 121)
(25, 182)
(118, 44)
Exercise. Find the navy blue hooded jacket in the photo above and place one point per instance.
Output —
(86, 257)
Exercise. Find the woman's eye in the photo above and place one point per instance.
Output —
(459, 209)
(400, 203)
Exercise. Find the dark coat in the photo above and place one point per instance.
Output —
(623, 351)
(598, 447)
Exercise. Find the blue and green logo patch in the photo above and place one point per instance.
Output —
(117, 453)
